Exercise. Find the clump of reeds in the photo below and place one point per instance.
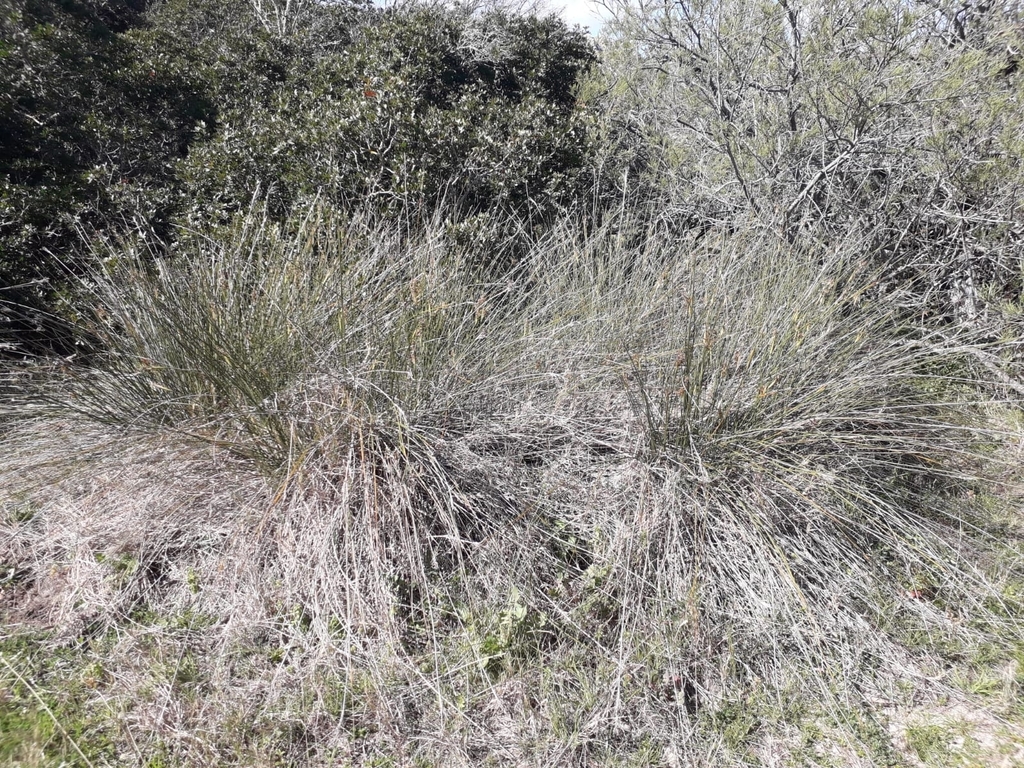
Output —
(629, 460)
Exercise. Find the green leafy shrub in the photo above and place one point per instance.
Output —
(94, 114)
(366, 108)
(407, 107)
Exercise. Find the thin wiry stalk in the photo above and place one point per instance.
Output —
(506, 517)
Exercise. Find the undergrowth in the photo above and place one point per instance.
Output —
(335, 494)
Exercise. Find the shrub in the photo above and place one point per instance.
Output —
(407, 107)
(94, 115)
(899, 118)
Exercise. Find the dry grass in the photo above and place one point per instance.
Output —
(334, 496)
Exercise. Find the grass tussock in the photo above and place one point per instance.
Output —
(335, 495)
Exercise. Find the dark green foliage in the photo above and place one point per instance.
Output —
(401, 107)
(94, 113)
(119, 119)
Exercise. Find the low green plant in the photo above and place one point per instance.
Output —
(931, 743)
(510, 639)
(45, 716)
